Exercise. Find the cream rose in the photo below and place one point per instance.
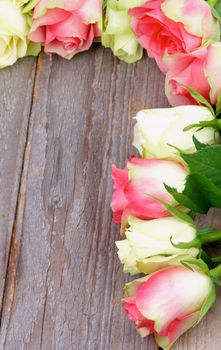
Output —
(148, 246)
(157, 129)
(118, 34)
(13, 33)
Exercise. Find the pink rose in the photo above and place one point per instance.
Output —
(168, 302)
(187, 69)
(213, 70)
(199, 70)
(66, 27)
(141, 178)
(163, 28)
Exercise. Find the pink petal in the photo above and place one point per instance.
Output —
(178, 327)
(159, 34)
(119, 201)
(187, 69)
(171, 294)
(73, 26)
(132, 312)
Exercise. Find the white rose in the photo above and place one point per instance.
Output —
(157, 129)
(13, 33)
(148, 246)
(117, 32)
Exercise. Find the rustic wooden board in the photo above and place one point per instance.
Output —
(16, 86)
(64, 283)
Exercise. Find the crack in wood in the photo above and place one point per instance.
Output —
(9, 293)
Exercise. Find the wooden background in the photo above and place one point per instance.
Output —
(62, 125)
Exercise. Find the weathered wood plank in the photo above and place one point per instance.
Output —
(67, 288)
(16, 86)
(70, 283)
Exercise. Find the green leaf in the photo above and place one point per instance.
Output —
(198, 144)
(206, 161)
(213, 123)
(175, 147)
(217, 6)
(187, 266)
(199, 195)
(204, 231)
(104, 3)
(195, 243)
(205, 257)
(198, 263)
(191, 197)
(203, 185)
(33, 49)
(216, 280)
(216, 259)
(211, 192)
(208, 303)
(199, 98)
(175, 212)
(218, 104)
(31, 4)
(212, 2)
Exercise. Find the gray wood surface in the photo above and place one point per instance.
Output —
(16, 86)
(63, 124)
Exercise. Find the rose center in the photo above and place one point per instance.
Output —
(72, 44)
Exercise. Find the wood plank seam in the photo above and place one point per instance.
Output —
(9, 293)
(46, 291)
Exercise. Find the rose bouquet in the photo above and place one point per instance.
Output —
(165, 30)
(178, 145)
(178, 172)
(183, 39)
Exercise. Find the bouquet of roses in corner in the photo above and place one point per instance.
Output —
(179, 172)
(185, 42)
(183, 39)
(64, 27)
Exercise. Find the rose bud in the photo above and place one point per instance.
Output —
(117, 33)
(66, 27)
(136, 185)
(169, 302)
(148, 246)
(157, 129)
(164, 29)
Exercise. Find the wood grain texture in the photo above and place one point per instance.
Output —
(64, 290)
(16, 86)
